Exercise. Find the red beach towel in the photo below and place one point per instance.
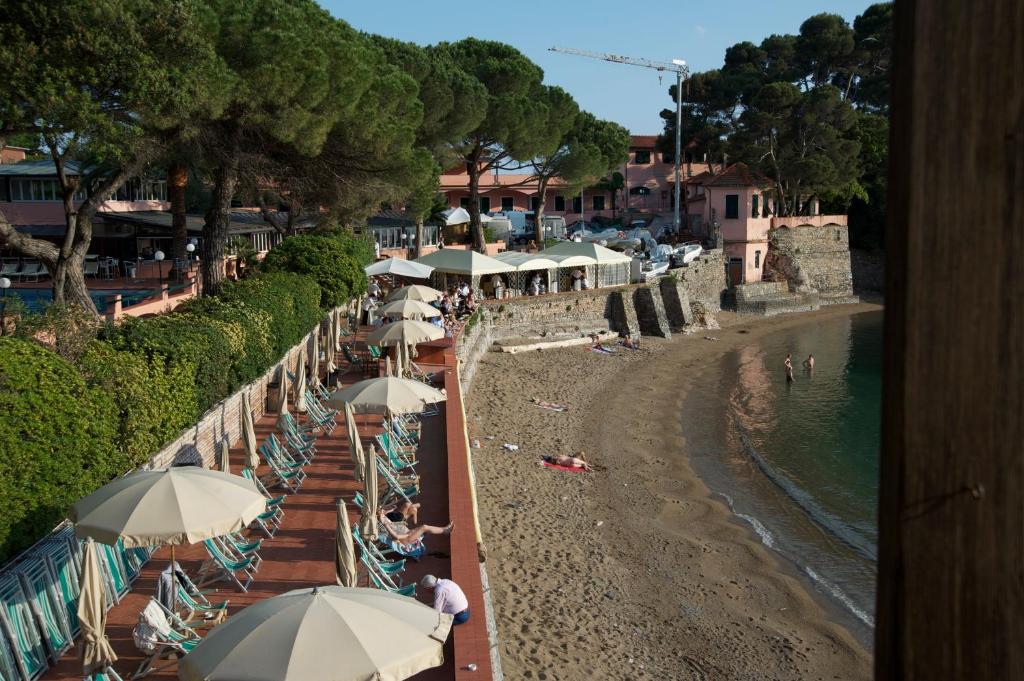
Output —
(571, 469)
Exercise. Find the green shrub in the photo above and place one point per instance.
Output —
(255, 348)
(153, 397)
(327, 258)
(290, 301)
(58, 441)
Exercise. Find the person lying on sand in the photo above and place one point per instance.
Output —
(630, 343)
(549, 405)
(566, 461)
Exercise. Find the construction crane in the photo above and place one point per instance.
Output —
(676, 66)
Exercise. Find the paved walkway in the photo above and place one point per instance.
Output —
(302, 552)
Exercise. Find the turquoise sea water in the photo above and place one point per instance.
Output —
(799, 462)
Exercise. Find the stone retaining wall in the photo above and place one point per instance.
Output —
(821, 256)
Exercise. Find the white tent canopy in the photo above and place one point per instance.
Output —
(458, 261)
(403, 268)
(600, 254)
(523, 262)
(565, 260)
(460, 216)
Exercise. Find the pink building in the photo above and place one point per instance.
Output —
(648, 178)
(12, 154)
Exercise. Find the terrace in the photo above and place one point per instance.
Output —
(302, 552)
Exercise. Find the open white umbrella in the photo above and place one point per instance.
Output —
(344, 552)
(97, 654)
(168, 506)
(405, 332)
(252, 458)
(324, 633)
(377, 395)
(416, 292)
(408, 308)
(399, 267)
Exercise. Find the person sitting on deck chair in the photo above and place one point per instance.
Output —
(403, 512)
(410, 540)
(448, 597)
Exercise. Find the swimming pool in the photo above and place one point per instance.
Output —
(38, 298)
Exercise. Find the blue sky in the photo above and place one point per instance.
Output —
(695, 31)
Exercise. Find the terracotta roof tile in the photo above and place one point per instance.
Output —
(643, 141)
(738, 175)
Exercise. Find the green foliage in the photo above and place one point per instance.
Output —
(58, 439)
(330, 259)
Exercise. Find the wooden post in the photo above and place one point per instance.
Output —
(951, 536)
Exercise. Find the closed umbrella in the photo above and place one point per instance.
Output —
(416, 292)
(405, 332)
(408, 309)
(252, 459)
(314, 359)
(300, 386)
(377, 395)
(368, 519)
(388, 369)
(225, 454)
(344, 553)
(332, 344)
(97, 654)
(324, 633)
(355, 444)
(282, 391)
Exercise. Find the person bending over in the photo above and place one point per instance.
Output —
(448, 597)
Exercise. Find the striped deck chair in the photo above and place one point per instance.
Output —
(160, 633)
(221, 567)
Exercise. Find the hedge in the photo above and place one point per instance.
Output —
(58, 438)
(66, 429)
(335, 260)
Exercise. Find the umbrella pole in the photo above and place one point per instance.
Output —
(174, 583)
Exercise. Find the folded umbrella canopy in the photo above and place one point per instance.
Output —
(386, 393)
(252, 458)
(407, 308)
(168, 506)
(399, 267)
(344, 552)
(405, 332)
(97, 654)
(416, 292)
(327, 633)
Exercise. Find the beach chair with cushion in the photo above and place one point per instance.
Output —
(222, 567)
(159, 634)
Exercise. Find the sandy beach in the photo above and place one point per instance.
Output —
(634, 571)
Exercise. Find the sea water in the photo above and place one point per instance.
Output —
(798, 462)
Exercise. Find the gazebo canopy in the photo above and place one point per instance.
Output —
(523, 262)
(460, 216)
(459, 261)
(598, 254)
(403, 268)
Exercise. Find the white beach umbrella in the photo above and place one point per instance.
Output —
(168, 506)
(404, 332)
(377, 395)
(399, 267)
(406, 309)
(326, 633)
(416, 292)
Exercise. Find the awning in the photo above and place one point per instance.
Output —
(599, 254)
(524, 262)
(459, 261)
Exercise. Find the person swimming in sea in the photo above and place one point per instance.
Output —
(809, 363)
(790, 378)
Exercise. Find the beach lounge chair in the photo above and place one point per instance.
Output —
(290, 451)
(284, 477)
(386, 582)
(304, 434)
(271, 448)
(374, 351)
(158, 634)
(397, 458)
(91, 268)
(272, 501)
(40, 588)
(31, 271)
(197, 605)
(223, 567)
(240, 548)
(395, 488)
(320, 415)
(354, 361)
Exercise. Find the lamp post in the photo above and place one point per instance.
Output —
(159, 257)
(5, 284)
(191, 249)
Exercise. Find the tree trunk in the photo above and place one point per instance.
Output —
(475, 226)
(542, 199)
(177, 181)
(75, 292)
(218, 220)
(419, 237)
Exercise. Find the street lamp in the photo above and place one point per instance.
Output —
(159, 257)
(679, 134)
(191, 248)
(5, 284)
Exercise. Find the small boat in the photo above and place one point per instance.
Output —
(652, 268)
(687, 253)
